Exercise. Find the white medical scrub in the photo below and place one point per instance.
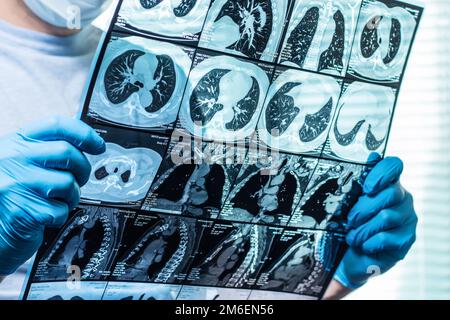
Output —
(40, 76)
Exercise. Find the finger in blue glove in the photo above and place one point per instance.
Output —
(41, 171)
(385, 173)
(382, 226)
(368, 206)
(66, 129)
(388, 218)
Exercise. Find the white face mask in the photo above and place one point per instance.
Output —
(71, 14)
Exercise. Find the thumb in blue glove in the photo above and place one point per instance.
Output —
(382, 226)
(41, 171)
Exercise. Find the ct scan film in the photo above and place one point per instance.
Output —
(238, 138)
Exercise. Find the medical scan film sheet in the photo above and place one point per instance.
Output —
(238, 136)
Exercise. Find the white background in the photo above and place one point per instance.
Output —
(421, 137)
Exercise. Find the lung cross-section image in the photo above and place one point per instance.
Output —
(362, 122)
(180, 20)
(121, 175)
(331, 193)
(269, 193)
(298, 111)
(123, 74)
(320, 35)
(224, 98)
(383, 39)
(140, 83)
(251, 28)
(88, 242)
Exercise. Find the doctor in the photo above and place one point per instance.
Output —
(46, 48)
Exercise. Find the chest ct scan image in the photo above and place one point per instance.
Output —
(320, 35)
(176, 19)
(142, 82)
(298, 111)
(239, 136)
(224, 103)
(121, 175)
(251, 29)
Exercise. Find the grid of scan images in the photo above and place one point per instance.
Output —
(239, 133)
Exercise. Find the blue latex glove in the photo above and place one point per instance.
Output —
(41, 172)
(382, 226)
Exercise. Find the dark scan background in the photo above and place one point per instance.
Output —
(221, 230)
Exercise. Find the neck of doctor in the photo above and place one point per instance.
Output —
(18, 14)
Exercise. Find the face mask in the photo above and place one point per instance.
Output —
(71, 14)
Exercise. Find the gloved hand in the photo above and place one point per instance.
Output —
(41, 172)
(382, 226)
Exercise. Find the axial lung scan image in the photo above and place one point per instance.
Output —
(177, 20)
(121, 175)
(140, 83)
(239, 134)
(298, 111)
(224, 97)
(383, 40)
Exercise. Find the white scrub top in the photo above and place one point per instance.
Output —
(40, 76)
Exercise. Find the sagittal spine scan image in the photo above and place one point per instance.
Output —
(163, 253)
(121, 175)
(177, 19)
(88, 242)
(331, 193)
(298, 111)
(362, 122)
(224, 98)
(299, 262)
(193, 188)
(269, 193)
(251, 28)
(141, 83)
(231, 256)
(320, 35)
(382, 42)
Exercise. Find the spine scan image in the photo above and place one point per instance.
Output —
(163, 253)
(88, 241)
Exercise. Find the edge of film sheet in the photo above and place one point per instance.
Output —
(238, 137)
